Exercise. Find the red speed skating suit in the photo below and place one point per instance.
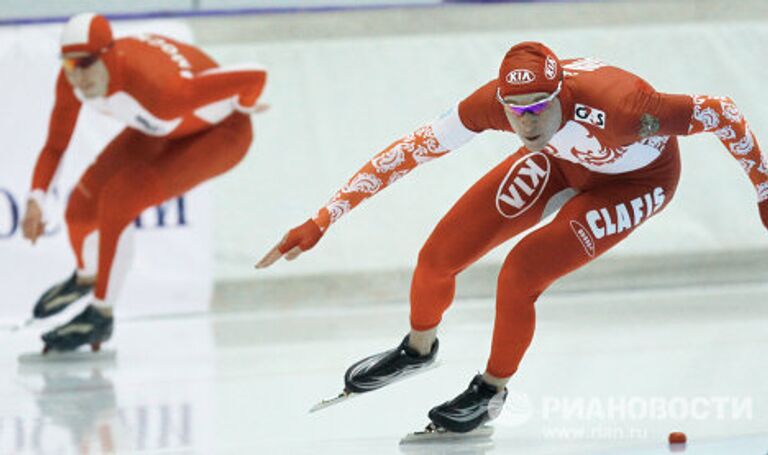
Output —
(182, 129)
(616, 149)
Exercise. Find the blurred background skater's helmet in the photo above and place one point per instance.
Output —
(86, 32)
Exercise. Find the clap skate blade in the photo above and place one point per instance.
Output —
(96, 354)
(433, 434)
(345, 394)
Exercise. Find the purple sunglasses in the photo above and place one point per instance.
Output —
(534, 108)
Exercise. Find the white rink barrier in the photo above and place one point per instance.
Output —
(172, 265)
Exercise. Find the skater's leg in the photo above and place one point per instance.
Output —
(586, 227)
(82, 220)
(474, 225)
(511, 198)
(121, 262)
(182, 165)
(81, 224)
(82, 208)
(172, 168)
(422, 340)
(80, 217)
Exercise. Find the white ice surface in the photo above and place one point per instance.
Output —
(242, 383)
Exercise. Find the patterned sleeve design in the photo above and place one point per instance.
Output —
(721, 116)
(385, 168)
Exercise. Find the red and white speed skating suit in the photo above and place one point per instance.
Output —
(616, 147)
(182, 129)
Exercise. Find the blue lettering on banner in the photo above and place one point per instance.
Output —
(162, 211)
(9, 221)
(9, 225)
(172, 213)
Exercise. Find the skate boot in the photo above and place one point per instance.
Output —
(478, 404)
(89, 327)
(60, 296)
(386, 367)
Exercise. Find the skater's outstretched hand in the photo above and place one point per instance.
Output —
(32, 225)
(255, 109)
(295, 242)
(763, 207)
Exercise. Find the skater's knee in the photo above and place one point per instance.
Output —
(74, 215)
(124, 198)
(522, 276)
(79, 210)
(439, 260)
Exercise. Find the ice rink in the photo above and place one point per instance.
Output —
(609, 373)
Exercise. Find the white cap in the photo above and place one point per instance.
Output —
(86, 32)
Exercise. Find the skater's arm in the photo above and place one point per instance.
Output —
(245, 82)
(721, 116)
(687, 115)
(394, 162)
(401, 157)
(60, 128)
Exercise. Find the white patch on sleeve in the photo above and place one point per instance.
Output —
(217, 111)
(123, 106)
(239, 68)
(38, 196)
(450, 131)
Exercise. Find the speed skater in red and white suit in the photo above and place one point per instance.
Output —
(591, 131)
(187, 121)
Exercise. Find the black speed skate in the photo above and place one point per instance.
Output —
(91, 326)
(381, 369)
(386, 367)
(60, 296)
(480, 403)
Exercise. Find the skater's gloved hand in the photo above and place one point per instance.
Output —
(763, 207)
(255, 109)
(32, 225)
(295, 242)
(247, 103)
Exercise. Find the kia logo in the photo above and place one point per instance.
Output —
(519, 77)
(550, 68)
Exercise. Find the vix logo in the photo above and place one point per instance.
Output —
(520, 77)
(523, 185)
